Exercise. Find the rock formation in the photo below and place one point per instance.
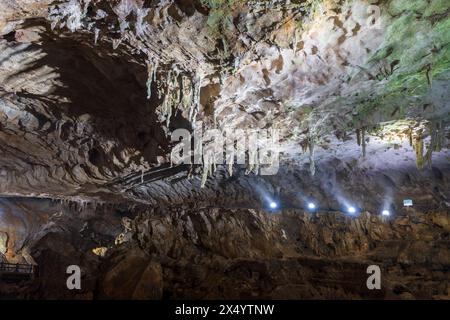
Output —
(358, 92)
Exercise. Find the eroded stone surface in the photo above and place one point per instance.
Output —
(234, 254)
(90, 91)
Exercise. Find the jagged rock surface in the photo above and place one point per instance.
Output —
(235, 254)
(90, 90)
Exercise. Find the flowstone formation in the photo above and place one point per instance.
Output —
(358, 92)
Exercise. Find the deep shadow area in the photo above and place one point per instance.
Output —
(106, 86)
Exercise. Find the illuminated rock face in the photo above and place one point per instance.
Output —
(241, 253)
(90, 91)
(3, 243)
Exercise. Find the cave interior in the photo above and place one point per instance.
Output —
(354, 169)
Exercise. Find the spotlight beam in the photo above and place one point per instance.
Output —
(351, 210)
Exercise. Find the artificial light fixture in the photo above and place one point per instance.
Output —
(351, 210)
(407, 203)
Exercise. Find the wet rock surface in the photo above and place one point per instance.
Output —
(90, 92)
(247, 254)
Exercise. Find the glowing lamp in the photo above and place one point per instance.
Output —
(273, 205)
(386, 213)
(407, 203)
(351, 210)
(311, 206)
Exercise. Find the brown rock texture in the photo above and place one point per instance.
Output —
(92, 90)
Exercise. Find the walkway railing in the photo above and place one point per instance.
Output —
(17, 268)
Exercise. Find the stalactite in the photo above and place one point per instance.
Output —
(141, 26)
(428, 158)
(160, 89)
(230, 168)
(96, 34)
(257, 164)
(172, 97)
(253, 162)
(428, 74)
(116, 43)
(418, 147)
(209, 160)
(70, 14)
(435, 141)
(439, 137)
(167, 108)
(149, 80)
(410, 136)
(207, 170)
(363, 142)
(186, 91)
(429, 154)
(226, 51)
(155, 70)
(195, 106)
(304, 145)
(152, 69)
(312, 164)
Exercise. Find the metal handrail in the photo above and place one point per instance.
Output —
(17, 268)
